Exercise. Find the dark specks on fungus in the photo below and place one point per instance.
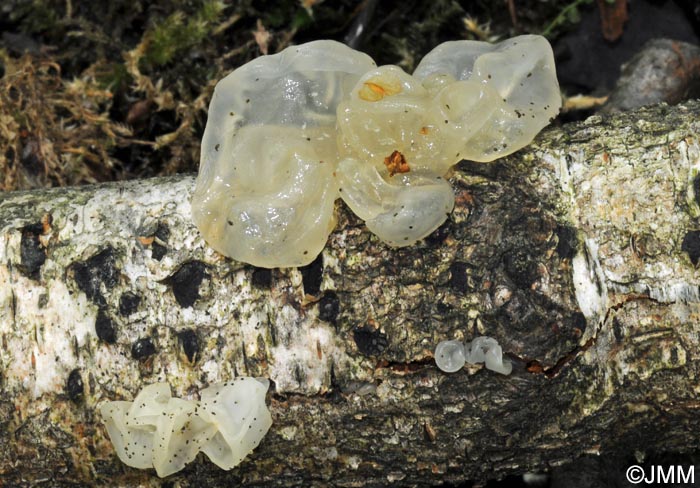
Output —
(190, 344)
(185, 282)
(128, 303)
(74, 386)
(143, 348)
(370, 341)
(105, 328)
(97, 271)
(312, 275)
(329, 307)
(691, 245)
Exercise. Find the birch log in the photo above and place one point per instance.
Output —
(577, 253)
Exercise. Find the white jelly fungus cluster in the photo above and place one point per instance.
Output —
(165, 433)
(289, 133)
(451, 356)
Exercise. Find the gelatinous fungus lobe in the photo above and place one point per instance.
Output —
(265, 192)
(451, 356)
(378, 87)
(290, 133)
(159, 431)
(388, 174)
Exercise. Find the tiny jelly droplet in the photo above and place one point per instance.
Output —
(449, 356)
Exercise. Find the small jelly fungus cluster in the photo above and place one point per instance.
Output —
(165, 433)
(451, 356)
(290, 133)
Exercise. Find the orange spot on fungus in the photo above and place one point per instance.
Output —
(396, 163)
(377, 88)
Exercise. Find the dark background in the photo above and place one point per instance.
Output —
(101, 91)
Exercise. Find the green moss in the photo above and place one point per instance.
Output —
(37, 16)
(570, 14)
(113, 77)
(178, 33)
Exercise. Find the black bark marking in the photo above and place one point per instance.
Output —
(262, 278)
(460, 277)
(98, 270)
(190, 344)
(74, 386)
(578, 321)
(162, 232)
(185, 282)
(696, 189)
(312, 275)
(143, 348)
(32, 253)
(158, 248)
(691, 245)
(439, 235)
(158, 251)
(617, 330)
(105, 328)
(370, 341)
(128, 303)
(520, 267)
(329, 307)
(567, 245)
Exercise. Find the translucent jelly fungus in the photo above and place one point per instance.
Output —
(165, 433)
(451, 356)
(290, 133)
(487, 350)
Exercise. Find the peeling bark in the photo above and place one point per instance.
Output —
(578, 254)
